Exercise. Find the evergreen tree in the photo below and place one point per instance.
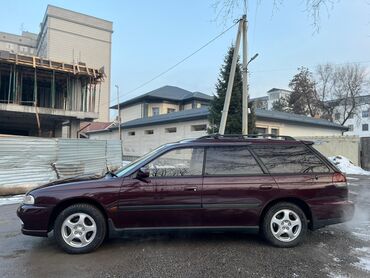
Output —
(234, 118)
(303, 98)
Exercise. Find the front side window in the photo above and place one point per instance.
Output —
(236, 160)
(365, 127)
(290, 159)
(178, 163)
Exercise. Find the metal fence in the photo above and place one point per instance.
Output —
(27, 162)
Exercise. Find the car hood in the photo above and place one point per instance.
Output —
(75, 179)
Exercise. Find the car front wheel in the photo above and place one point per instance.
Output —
(80, 228)
(284, 225)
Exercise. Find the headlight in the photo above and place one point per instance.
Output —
(28, 200)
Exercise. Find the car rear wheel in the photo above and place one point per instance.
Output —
(80, 228)
(284, 225)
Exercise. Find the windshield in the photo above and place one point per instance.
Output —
(125, 169)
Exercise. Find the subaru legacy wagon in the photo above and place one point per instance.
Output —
(274, 185)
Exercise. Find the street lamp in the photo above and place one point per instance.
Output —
(254, 57)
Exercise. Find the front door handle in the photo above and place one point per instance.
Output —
(266, 187)
(191, 188)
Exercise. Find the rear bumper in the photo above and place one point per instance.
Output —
(35, 220)
(332, 213)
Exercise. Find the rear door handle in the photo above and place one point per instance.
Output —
(191, 188)
(266, 186)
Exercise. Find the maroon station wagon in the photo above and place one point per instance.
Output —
(273, 184)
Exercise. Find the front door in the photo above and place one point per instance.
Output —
(170, 196)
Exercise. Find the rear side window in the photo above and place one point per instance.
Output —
(290, 159)
(230, 161)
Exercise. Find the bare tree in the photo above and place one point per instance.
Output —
(350, 81)
(226, 9)
(338, 90)
(325, 82)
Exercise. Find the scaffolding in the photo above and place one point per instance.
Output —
(34, 81)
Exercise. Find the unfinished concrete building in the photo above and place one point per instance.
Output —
(70, 37)
(38, 97)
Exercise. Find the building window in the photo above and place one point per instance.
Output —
(351, 115)
(275, 131)
(171, 130)
(365, 114)
(149, 131)
(198, 127)
(261, 130)
(171, 110)
(350, 127)
(131, 133)
(155, 111)
(199, 105)
(365, 127)
(337, 116)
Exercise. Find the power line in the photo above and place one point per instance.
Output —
(180, 62)
(295, 68)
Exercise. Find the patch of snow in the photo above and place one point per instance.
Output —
(363, 255)
(16, 199)
(346, 166)
(125, 162)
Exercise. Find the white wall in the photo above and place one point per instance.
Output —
(142, 143)
(131, 112)
(291, 129)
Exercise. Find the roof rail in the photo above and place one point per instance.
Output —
(247, 136)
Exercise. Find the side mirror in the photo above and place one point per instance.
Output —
(143, 173)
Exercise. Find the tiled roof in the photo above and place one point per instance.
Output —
(167, 93)
(202, 113)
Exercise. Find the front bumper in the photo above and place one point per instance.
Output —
(35, 219)
(332, 213)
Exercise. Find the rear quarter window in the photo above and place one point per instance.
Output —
(290, 159)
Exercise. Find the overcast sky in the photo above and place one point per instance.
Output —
(150, 36)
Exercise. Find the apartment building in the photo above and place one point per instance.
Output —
(73, 38)
(358, 122)
(274, 94)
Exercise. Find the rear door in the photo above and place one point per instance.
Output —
(235, 187)
(297, 170)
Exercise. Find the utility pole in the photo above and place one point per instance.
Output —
(230, 82)
(119, 115)
(242, 31)
(245, 77)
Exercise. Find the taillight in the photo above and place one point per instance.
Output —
(339, 180)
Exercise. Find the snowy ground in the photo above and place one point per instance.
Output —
(9, 200)
(346, 166)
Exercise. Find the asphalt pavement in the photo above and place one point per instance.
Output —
(336, 251)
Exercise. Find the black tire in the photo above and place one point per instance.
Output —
(89, 210)
(268, 230)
